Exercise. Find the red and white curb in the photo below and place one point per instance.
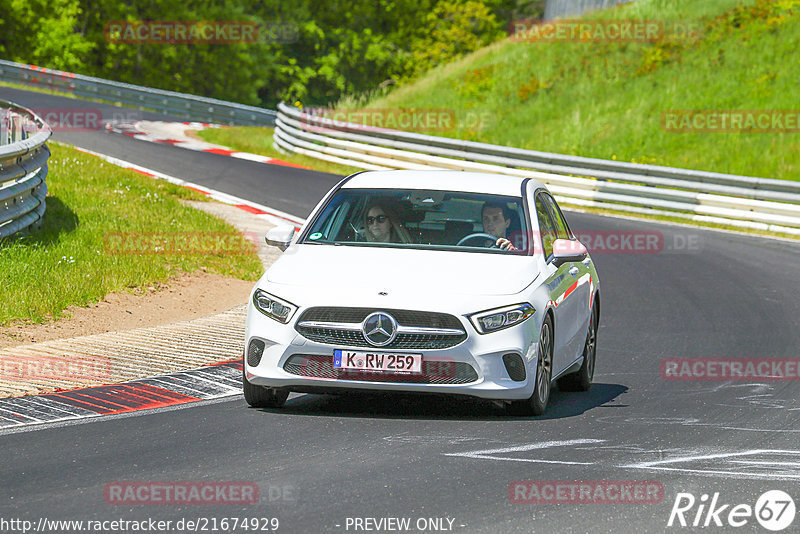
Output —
(206, 383)
(135, 130)
(203, 384)
(275, 216)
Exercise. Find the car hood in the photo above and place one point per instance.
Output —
(432, 272)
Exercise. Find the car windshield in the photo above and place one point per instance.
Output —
(420, 219)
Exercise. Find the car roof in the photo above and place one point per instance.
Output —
(468, 182)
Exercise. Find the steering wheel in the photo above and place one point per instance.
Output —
(478, 235)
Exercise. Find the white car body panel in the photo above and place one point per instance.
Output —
(458, 283)
(438, 272)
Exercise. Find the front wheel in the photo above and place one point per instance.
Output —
(581, 379)
(262, 397)
(537, 403)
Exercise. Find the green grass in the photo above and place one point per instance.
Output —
(606, 100)
(258, 140)
(71, 259)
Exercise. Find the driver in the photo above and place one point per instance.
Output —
(496, 218)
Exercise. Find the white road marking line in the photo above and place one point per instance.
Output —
(716, 456)
(485, 454)
(177, 387)
(659, 465)
(10, 422)
(275, 216)
(27, 410)
(765, 462)
(251, 157)
(16, 414)
(200, 378)
(55, 405)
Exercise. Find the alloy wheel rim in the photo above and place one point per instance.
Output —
(591, 341)
(543, 382)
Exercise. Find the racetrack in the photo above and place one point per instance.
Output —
(322, 460)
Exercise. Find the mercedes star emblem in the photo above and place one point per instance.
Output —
(379, 328)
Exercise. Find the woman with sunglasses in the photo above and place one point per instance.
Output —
(382, 224)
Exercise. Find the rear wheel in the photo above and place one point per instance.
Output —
(262, 397)
(581, 379)
(537, 403)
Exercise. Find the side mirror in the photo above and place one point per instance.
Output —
(280, 236)
(566, 250)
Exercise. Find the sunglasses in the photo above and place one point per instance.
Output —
(380, 219)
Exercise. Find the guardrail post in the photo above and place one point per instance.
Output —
(16, 129)
(4, 127)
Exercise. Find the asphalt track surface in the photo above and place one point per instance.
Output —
(324, 459)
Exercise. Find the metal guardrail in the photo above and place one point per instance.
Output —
(23, 168)
(196, 108)
(740, 201)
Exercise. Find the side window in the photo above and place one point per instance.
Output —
(562, 230)
(546, 226)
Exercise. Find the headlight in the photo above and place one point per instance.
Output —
(273, 307)
(499, 318)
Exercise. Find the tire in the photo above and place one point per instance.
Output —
(537, 403)
(581, 380)
(262, 397)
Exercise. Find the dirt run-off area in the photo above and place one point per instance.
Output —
(186, 297)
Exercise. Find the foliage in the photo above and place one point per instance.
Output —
(608, 99)
(315, 51)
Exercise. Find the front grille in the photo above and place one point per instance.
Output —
(355, 338)
(433, 372)
(404, 317)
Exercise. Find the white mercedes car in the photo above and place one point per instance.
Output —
(426, 281)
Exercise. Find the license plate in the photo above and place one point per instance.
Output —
(377, 361)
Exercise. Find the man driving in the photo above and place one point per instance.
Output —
(496, 219)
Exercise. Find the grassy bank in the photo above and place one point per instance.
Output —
(608, 100)
(89, 242)
(257, 140)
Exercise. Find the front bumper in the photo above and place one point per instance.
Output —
(475, 367)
